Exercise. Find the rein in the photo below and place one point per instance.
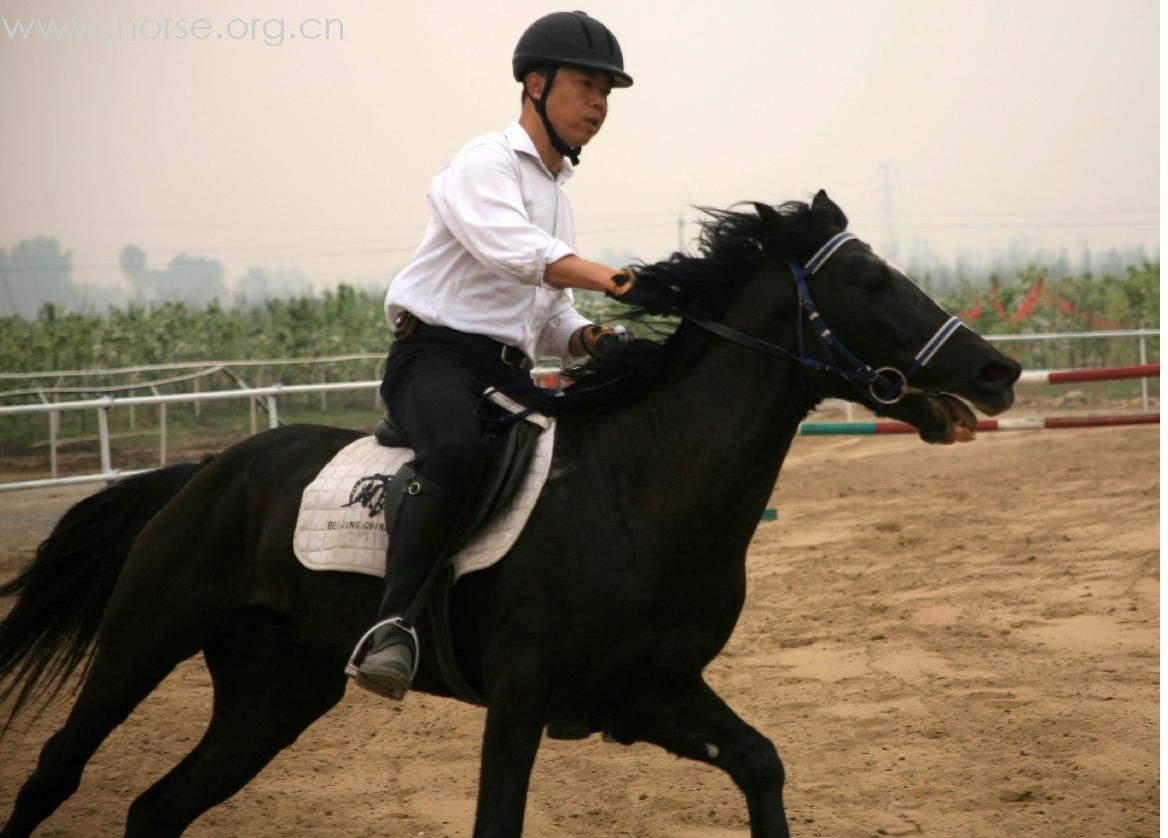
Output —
(873, 384)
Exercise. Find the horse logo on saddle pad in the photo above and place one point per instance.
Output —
(341, 525)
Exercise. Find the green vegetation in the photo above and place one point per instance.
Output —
(344, 321)
(348, 321)
(1034, 301)
(341, 322)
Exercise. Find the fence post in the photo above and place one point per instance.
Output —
(377, 390)
(104, 435)
(252, 401)
(273, 414)
(198, 404)
(323, 393)
(161, 428)
(1143, 381)
(54, 429)
(133, 408)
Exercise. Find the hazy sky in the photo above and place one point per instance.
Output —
(965, 124)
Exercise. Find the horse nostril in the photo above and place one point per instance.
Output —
(999, 374)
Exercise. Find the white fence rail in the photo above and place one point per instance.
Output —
(1141, 334)
(188, 365)
(271, 394)
(105, 404)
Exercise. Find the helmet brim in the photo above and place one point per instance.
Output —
(523, 64)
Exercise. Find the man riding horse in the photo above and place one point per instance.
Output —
(487, 292)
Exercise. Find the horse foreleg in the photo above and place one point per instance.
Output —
(268, 689)
(696, 723)
(514, 727)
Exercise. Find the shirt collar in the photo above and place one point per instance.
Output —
(519, 139)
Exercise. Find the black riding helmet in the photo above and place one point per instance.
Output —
(571, 38)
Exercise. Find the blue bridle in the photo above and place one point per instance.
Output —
(872, 383)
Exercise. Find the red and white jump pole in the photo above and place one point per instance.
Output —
(1037, 377)
(1022, 424)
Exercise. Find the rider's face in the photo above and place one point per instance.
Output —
(578, 104)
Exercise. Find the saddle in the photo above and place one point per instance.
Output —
(508, 442)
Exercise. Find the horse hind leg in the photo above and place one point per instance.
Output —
(269, 687)
(125, 670)
(697, 724)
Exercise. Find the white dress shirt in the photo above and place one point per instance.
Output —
(499, 218)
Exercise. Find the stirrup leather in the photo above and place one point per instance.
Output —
(353, 670)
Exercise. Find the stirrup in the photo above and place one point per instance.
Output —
(353, 670)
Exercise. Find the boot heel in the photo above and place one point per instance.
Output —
(384, 686)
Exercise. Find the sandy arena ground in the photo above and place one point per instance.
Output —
(940, 641)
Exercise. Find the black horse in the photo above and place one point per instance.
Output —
(626, 583)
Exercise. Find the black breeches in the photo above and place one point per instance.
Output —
(433, 387)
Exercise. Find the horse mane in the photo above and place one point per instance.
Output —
(731, 246)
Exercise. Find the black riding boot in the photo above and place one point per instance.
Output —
(420, 534)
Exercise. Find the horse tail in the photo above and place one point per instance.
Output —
(64, 590)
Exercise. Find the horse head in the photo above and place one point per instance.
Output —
(791, 283)
(869, 334)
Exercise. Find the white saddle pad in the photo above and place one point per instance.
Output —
(332, 535)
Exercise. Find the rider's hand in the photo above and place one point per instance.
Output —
(622, 283)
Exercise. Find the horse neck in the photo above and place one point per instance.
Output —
(721, 430)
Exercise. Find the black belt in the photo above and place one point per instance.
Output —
(512, 356)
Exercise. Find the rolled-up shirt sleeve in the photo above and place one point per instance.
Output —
(480, 202)
(562, 323)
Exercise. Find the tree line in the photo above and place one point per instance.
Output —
(37, 272)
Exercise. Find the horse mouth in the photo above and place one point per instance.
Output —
(942, 418)
(958, 416)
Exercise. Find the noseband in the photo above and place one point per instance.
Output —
(883, 386)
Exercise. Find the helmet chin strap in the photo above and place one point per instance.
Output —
(558, 144)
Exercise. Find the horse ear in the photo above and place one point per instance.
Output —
(824, 204)
(768, 214)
